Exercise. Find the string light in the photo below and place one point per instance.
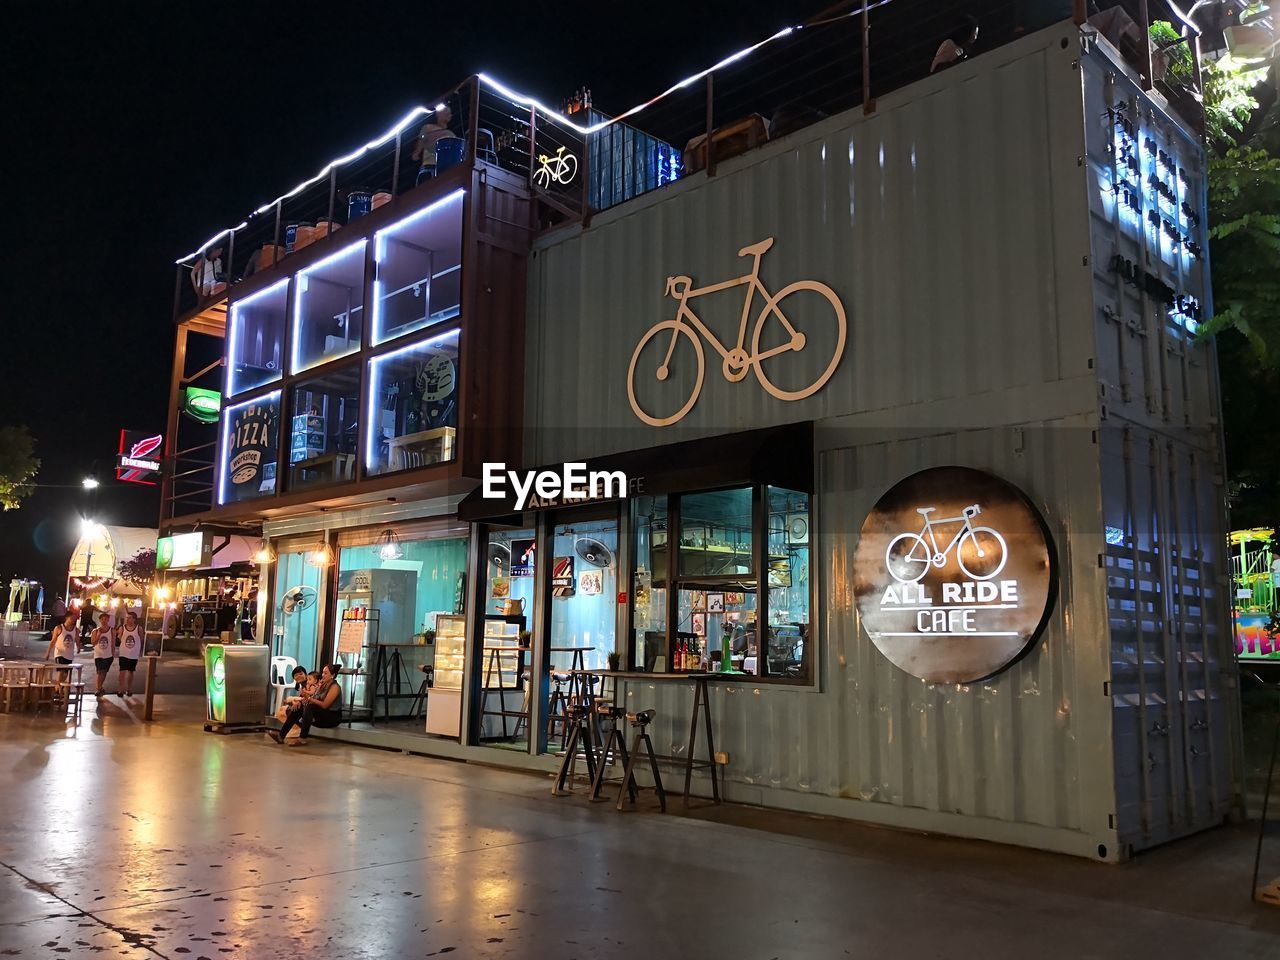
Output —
(515, 97)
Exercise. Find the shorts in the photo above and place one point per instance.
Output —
(63, 661)
(128, 665)
(103, 663)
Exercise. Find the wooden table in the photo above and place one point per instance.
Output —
(12, 670)
(329, 467)
(701, 704)
(413, 449)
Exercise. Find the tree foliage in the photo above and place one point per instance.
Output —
(18, 466)
(138, 569)
(1244, 248)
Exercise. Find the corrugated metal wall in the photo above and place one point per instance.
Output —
(1176, 714)
(1173, 670)
(939, 222)
(1026, 753)
(966, 228)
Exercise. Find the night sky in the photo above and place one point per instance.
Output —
(135, 131)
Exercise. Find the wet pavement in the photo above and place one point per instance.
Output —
(120, 838)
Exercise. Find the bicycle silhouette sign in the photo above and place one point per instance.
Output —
(775, 335)
(559, 169)
(980, 552)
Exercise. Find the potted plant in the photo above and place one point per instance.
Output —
(615, 661)
(524, 638)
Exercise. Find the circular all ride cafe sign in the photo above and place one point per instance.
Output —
(954, 574)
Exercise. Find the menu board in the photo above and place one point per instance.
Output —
(351, 636)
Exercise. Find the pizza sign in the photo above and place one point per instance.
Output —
(954, 575)
(251, 444)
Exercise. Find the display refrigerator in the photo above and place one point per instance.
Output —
(444, 702)
(235, 683)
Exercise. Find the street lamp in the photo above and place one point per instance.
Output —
(89, 483)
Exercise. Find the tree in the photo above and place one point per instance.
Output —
(1244, 248)
(138, 569)
(18, 466)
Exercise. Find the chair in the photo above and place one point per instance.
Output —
(14, 681)
(44, 687)
(485, 149)
(73, 696)
(281, 679)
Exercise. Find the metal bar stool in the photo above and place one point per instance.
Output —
(640, 722)
(580, 735)
(615, 746)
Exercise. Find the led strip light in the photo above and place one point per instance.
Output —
(521, 99)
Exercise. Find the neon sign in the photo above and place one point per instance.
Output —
(560, 169)
(138, 460)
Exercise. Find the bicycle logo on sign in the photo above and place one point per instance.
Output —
(980, 551)
(736, 362)
(560, 169)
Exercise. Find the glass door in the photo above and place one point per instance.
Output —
(584, 616)
(503, 658)
(297, 610)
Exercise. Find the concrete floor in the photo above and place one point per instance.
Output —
(125, 839)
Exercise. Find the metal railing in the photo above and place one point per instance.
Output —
(843, 57)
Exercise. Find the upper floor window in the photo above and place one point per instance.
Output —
(250, 438)
(328, 317)
(418, 280)
(413, 406)
(324, 418)
(255, 338)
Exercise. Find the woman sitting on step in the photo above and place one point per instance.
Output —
(323, 708)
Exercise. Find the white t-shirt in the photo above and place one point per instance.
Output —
(131, 643)
(67, 643)
(104, 644)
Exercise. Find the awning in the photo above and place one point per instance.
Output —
(781, 456)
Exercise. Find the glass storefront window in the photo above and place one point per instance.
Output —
(715, 533)
(418, 278)
(413, 406)
(328, 310)
(255, 338)
(407, 583)
(324, 415)
(790, 590)
(649, 585)
(250, 439)
(722, 606)
(707, 619)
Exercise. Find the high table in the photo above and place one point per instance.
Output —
(701, 703)
(494, 652)
(577, 668)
